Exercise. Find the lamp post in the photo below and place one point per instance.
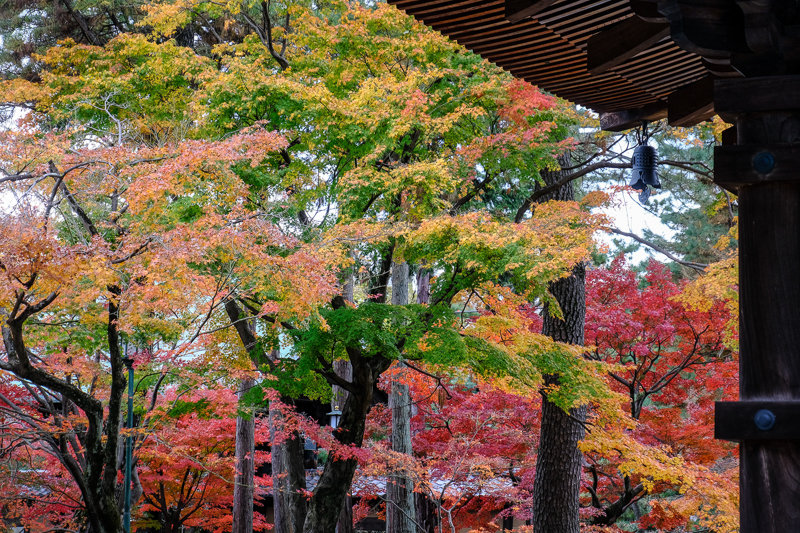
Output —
(126, 517)
(334, 417)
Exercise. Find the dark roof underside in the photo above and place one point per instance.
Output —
(549, 50)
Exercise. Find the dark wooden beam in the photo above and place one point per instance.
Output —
(751, 164)
(729, 137)
(711, 28)
(757, 420)
(771, 93)
(692, 103)
(647, 10)
(622, 41)
(517, 10)
(720, 68)
(630, 118)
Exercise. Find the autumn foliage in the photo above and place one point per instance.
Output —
(227, 209)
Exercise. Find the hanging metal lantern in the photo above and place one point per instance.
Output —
(644, 168)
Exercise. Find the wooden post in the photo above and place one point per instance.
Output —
(764, 168)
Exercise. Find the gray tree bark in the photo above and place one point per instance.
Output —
(400, 512)
(245, 468)
(348, 289)
(558, 464)
(427, 517)
(343, 369)
(288, 468)
(423, 286)
(288, 479)
(400, 283)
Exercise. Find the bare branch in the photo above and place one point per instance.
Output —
(544, 191)
(700, 267)
(76, 208)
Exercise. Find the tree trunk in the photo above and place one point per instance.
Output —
(345, 522)
(399, 486)
(296, 471)
(344, 370)
(558, 464)
(337, 476)
(426, 512)
(245, 467)
(288, 480)
(400, 283)
(97, 479)
(400, 511)
(425, 509)
(349, 286)
(423, 286)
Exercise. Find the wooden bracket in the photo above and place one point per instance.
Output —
(630, 118)
(692, 103)
(617, 44)
(757, 420)
(518, 10)
(745, 95)
(739, 165)
(729, 136)
(647, 10)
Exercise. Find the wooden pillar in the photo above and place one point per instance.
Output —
(764, 168)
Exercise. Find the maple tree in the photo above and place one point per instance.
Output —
(384, 166)
(211, 196)
(477, 452)
(118, 262)
(187, 462)
(673, 363)
(651, 460)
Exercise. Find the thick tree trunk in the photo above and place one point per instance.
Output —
(399, 283)
(288, 480)
(349, 285)
(400, 511)
(245, 467)
(344, 370)
(334, 484)
(345, 522)
(245, 430)
(296, 471)
(423, 286)
(399, 486)
(426, 512)
(558, 464)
